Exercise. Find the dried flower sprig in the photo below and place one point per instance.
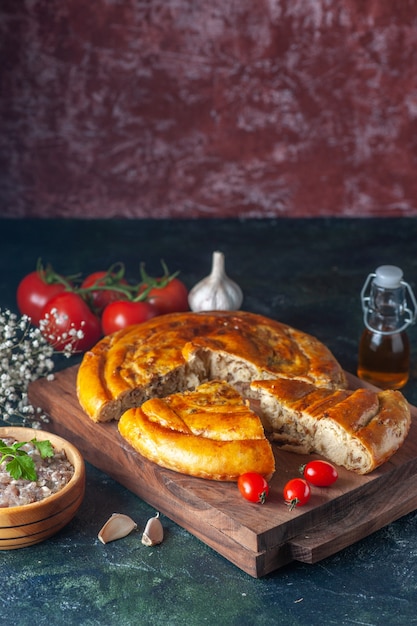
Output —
(25, 356)
(63, 340)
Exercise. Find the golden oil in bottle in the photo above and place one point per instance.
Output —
(384, 360)
(384, 348)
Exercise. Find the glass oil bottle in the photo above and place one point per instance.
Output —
(389, 308)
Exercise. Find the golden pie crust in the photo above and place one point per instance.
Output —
(358, 429)
(209, 433)
(178, 351)
(158, 377)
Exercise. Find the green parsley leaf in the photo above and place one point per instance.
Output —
(22, 467)
(19, 463)
(45, 448)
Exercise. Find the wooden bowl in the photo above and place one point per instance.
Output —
(28, 524)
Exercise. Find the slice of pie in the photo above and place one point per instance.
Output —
(209, 433)
(358, 429)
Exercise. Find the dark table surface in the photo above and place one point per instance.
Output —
(307, 273)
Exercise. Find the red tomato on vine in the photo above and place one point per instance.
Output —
(119, 314)
(34, 292)
(167, 294)
(103, 287)
(169, 298)
(68, 323)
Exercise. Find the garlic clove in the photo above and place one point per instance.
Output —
(116, 527)
(216, 292)
(154, 532)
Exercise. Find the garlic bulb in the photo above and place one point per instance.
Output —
(116, 527)
(216, 292)
(154, 532)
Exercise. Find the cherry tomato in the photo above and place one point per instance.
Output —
(319, 473)
(98, 299)
(253, 487)
(171, 298)
(64, 318)
(122, 313)
(297, 492)
(33, 293)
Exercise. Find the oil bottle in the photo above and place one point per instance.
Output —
(389, 309)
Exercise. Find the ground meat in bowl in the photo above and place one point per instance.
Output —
(53, 474)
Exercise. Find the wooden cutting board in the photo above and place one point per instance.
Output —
(256, 538)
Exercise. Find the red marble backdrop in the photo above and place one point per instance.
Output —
(189, 108)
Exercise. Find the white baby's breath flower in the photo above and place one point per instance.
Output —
(68, 338)
(25, 356)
